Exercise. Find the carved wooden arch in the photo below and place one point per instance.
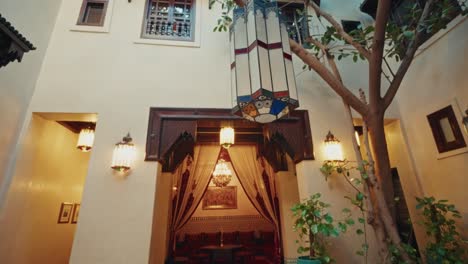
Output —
(173, 133)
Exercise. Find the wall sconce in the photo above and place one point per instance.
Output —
(85, 140)
(124, 154)
(333, 150)
(226, 137)
(465, 120)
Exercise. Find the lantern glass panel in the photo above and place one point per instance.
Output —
(263, 69)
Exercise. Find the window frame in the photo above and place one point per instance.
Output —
(153, 39)
(82, 13)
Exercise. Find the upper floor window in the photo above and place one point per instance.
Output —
(296, 21)
(350, 25)
(93, 13)
(169, 19)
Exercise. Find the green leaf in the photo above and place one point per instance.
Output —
(360, 196)
(314, 229)
(350, 221)
(361, 220)
(342, 226)
(335, 232)
(359, 232)
(408, 34)
(346, 210)
(328, 218)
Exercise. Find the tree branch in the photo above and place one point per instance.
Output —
(328, 77)
(406, 62)
(375, 63)
(340, 30)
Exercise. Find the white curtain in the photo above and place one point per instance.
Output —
(249, 170)
(191, 178)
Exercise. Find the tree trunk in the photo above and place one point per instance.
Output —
(381, 158)
(372, 218)
(383, 190)
(311, 243)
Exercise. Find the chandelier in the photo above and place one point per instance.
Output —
(222, 174)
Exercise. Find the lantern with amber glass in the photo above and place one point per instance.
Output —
(262, 75)
(226, 137)
(333, 150)
(124, 154)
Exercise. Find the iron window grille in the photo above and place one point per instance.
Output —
(169, 19)
(93, 13)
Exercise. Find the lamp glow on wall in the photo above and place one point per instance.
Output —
(226, 137)
(262, 74)
(85, 140)
(333, 149)
(124, 154)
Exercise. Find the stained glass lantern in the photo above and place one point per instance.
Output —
(262, 74)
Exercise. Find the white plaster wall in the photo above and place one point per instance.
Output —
(35, 20)
(159, 235)
(437, 75)
(51, 171)
(288, 195)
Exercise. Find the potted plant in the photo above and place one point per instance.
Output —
(314, 224)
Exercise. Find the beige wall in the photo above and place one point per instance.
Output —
(35, 20)
(288, 195)
(160, 236)
(50, 171)
(437, 76)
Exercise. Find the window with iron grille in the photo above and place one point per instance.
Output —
(296, 22)
(169, 19)
(93, 13)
